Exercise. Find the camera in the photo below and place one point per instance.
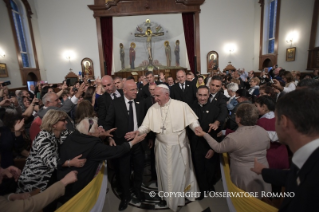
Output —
(6, 83)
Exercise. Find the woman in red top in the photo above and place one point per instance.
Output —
(277, 154)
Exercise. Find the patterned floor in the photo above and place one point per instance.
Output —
(149, 191)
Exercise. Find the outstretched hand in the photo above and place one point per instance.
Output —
(77, 162)
(71, 177)
(130, 135)
(213, 126)
(199, 132)
(258, 167)
(108, 133)
(19, 125)
(10, 172)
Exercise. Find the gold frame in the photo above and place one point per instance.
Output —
(3, 70)
(291, 54)
(90, 62)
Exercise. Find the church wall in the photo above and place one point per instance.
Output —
(228, 22)
(295, 16)
(66, 26)
(8, 46)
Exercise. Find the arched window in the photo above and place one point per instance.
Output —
(19, 29)
(20, 13)
(272, 13)
(269, 31)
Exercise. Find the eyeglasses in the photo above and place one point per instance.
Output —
(91, 122)
(63, 120)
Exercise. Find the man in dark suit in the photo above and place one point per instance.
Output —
(149, 101)
(140, 82)
(218, 98)
(170, 82)
(297, 126)
(126, 114)
(144, 93)
(184, 91)
(151, 136)
(205, 160)
(104, 101)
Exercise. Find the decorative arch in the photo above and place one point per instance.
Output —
(110, 8)
(32, 77)
(24, 71)
(267, 63)
(273, 57)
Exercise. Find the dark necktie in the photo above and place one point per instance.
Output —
(130, 117)
(211, 98)
(183, 89)
(114, 96)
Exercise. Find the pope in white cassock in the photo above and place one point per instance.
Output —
(168, 118)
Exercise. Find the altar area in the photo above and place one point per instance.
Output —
(148, 43)
(136, 74)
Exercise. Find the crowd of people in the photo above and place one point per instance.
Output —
(66, 132)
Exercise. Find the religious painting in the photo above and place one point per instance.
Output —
(212, 61)
(291, 54)
(3, 70)
(87, 68)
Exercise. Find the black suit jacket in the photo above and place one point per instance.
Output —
(117, 116)
(103, 104)
(189, 94)
(144, 92)
(206, 115)
(220, 101)
(149, 101)
(306, 193)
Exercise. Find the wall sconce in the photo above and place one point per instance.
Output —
(2, 53)
(290, 40)
(69, 55)
(291, 37)
(230, 48)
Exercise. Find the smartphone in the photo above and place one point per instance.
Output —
(271, 81)
(68, 82)
(38, 95)
(6, 83)
(54, 86)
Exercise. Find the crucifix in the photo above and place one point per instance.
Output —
(163, 128)
(149, 34)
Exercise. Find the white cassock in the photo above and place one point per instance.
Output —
(174, 167)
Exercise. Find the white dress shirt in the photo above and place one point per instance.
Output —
(302, 154)
(134, 111)
(117, 93)
(180, 85)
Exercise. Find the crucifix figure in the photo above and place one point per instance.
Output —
(163, 128)
(149, 34)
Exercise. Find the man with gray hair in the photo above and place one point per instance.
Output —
(231, 89)
(52, 101)
(168, 118)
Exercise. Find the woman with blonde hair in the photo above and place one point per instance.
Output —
(39, 171)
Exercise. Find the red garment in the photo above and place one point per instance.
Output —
(35, 128)
(277, 154)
